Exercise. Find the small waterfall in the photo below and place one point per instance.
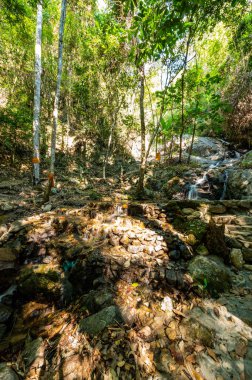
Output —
(193, 192)
(223, 195)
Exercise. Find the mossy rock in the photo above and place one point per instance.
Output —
(196, 227)
(211, 272)
(40, 280)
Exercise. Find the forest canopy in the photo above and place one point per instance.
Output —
(194, 58)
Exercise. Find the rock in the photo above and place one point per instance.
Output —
(202, 251)
(217, 209)
(247, 160)
(207, 147)
(239, 185)
(47, 207)
(41, 279)
(96, 323)
(75, 367)
(196, 331)
(96, 300)
(166, 304)
(212, 271)
(215, 240)
(30, 353)
(5, 313)
(188, 211)
(247, 267)
(247, 254)
(236, 258)
(125, 240)
(174, 255)
(194, 215)
(7, 255)
(7, 373)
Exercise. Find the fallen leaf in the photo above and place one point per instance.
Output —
(194, 375)
(216, 311)
(191, 358)
(177, 312)
(120, 364)
(212, 354)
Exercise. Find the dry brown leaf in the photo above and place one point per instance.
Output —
(216, 311)
(212, 354)
(191, 358)
(199, 348)
(194, 375)
(177, 312)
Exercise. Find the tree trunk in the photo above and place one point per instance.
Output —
(37, 91)
(182, 98)
(57, 93)
(140, 187)
(191, 146)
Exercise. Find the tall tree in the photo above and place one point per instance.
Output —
(37, 91)
(57, 92)
(140, 187)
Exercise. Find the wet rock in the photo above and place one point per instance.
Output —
(7, 373)
(202, 251)
(236, 258)
(210, 269)
(96, 323)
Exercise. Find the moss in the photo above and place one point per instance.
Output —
(195, 227)
(39, 280)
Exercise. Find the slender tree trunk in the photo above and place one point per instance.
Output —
(140, 187)
(37, 91)
(183, 98)
(191, 146)
(57, 93)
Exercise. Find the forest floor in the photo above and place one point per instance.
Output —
(96, 286)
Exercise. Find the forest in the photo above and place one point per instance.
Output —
(125, 189)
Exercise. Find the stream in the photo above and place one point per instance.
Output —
(215, 175)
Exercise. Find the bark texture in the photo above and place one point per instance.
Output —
(59, 75)
(37, 91)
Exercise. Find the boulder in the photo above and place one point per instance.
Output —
(202, 250)
(211, 271)
(208, 147)
(41, 279)
(7, 373)
(96, 323)
(239, 185)
(236, 258)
